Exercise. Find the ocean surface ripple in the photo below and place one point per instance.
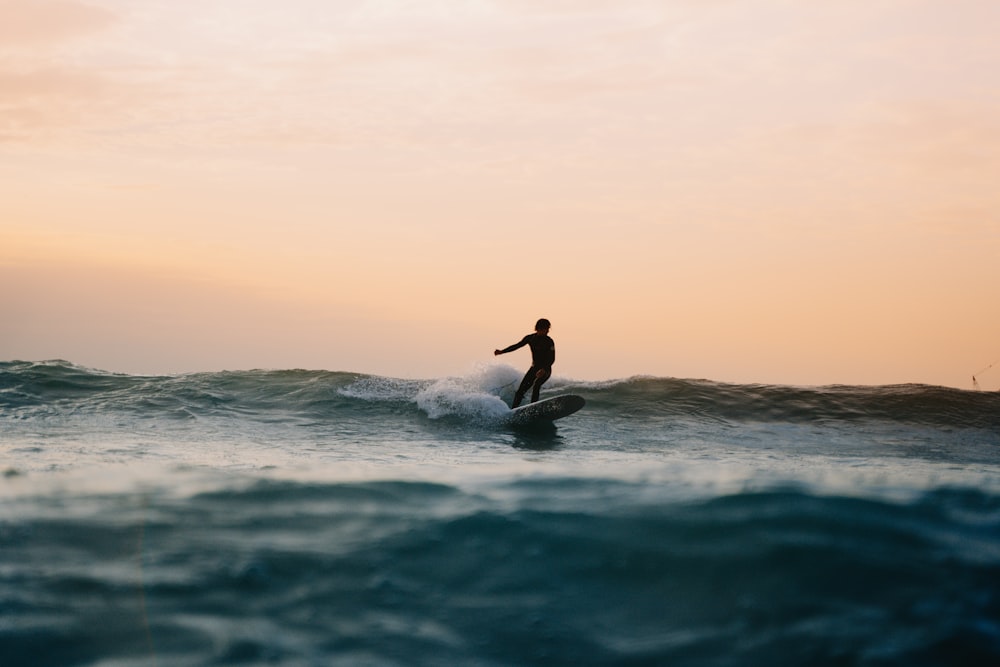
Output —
(300, 517)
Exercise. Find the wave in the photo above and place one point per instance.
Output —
(907, 403)
(530, 572)
(56, 385)
(30, 389)
(27, 387)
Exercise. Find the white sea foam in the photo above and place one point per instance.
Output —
(375, 388)
(476, 396)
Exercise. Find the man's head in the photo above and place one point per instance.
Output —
(542, 325)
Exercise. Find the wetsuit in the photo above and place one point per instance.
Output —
(543, 355)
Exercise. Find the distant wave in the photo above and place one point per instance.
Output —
(33, 388)
(908, 403)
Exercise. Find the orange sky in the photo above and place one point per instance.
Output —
(747, 191)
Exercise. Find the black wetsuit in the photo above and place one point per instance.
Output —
(543, 355)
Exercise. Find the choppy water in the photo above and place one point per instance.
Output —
(323, 518)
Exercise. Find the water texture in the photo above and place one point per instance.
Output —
(325, 518)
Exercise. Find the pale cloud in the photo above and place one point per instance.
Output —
(494, 81)
(308, 71)
(26, 22)
(36, 101)
(42, 90)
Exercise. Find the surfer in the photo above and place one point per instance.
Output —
(543, 355)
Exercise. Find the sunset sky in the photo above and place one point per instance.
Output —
(774, 191)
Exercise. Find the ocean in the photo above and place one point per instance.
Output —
(301, 517)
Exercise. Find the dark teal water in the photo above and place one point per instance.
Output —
(320, 518)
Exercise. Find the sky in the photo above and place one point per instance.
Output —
(762, 191)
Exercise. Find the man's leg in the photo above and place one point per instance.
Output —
(537, 386)
(529, 377)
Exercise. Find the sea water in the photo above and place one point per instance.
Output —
(326, 518)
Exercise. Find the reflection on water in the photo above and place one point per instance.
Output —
(538, 437)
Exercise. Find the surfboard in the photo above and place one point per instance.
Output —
(548, 410)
